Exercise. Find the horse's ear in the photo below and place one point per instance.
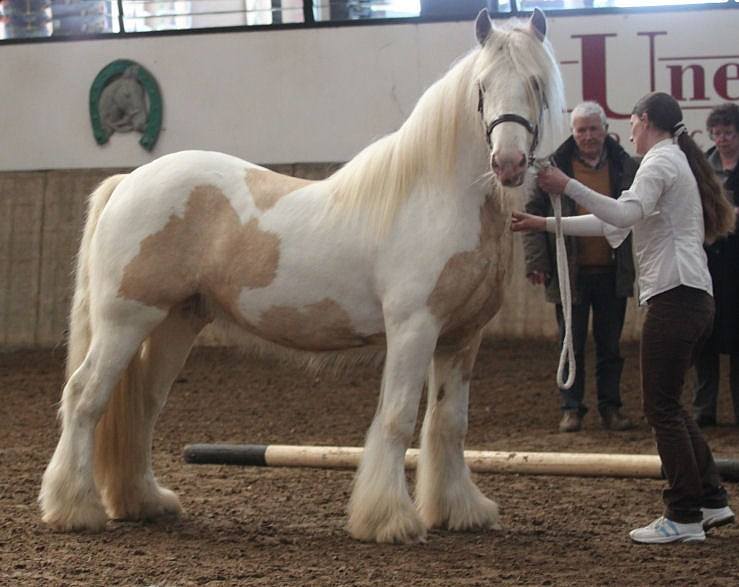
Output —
(538, 24)
(483, 26)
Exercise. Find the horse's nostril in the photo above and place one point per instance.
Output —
(522, 163)
(494, 163)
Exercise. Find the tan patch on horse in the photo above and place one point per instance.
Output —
(469, 290)
(208, 251)
(267, 187)
(315, 327)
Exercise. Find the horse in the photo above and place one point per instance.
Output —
(403, 252)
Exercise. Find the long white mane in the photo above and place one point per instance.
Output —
(382, 175)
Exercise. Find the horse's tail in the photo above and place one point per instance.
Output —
(80, 333)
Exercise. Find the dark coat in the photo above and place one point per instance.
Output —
(723, 263)
(540, 248)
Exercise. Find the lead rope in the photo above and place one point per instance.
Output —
(567, 354)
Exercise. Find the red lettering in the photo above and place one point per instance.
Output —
(593, 48)
(676, 81)
(652, 76)
(722, 78)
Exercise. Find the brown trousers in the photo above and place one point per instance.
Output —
(677, 324)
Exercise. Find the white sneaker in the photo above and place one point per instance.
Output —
(663, 530)
(715, 517)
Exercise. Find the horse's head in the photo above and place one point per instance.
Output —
(517, 80)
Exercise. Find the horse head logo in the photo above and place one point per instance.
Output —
(125, 97)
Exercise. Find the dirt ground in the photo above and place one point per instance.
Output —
(273, 527)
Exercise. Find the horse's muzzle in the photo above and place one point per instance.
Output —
(510, 171)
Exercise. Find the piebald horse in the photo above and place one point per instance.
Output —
(403, 251)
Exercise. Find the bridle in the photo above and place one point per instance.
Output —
(533, 129)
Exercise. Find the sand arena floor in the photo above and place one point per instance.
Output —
(273, 527)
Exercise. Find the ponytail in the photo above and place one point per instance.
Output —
(718, 214)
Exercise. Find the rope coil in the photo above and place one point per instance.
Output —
(567, 354)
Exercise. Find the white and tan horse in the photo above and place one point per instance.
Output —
(404, 250)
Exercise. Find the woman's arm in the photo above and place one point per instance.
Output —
(652, 179)
(585, 225)
(620, 213)
(615, 212)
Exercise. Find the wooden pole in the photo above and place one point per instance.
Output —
(527, 463)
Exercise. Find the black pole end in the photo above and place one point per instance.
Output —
(251, 455)
(728, 469)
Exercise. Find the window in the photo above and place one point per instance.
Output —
(327, 10)
(60, 18)
(148, 15)
(42, 18)
(579, 4)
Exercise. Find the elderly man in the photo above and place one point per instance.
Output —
(723, 263)
(601, 278)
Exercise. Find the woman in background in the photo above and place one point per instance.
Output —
(723, 264)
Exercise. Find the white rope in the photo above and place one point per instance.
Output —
(567, 354)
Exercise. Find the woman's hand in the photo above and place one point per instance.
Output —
(528, 222)
(552, 180)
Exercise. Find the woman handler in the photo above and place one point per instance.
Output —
(674, 204)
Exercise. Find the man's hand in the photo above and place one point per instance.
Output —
(538, 277)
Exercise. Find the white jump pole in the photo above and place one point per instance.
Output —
(529, 463)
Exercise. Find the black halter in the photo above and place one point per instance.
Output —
(508, 117)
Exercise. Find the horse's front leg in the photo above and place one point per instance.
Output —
(380, 508)
(445, 494)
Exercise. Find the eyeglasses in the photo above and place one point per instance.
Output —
(723, 134)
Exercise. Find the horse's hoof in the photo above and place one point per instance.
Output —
(401, 528)
(166, 506)
(87, 519)
(159, 503)
(468, 511)
(406, 535)
(484, 515)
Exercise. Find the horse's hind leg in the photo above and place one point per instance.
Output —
(380, 508)
(445, 493)
(123, 467)
(69, 498)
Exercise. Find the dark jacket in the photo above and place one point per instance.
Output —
(540, 248)
(723, 263)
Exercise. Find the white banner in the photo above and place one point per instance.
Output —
(321, 94)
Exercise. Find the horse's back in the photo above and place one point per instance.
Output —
(171, 178)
